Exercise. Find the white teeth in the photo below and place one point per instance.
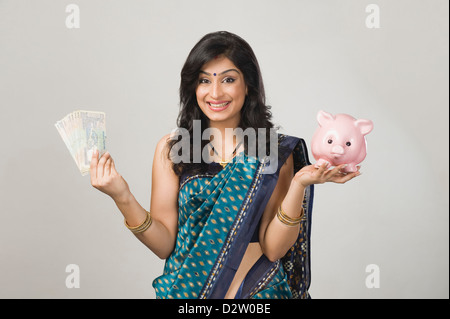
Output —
(218, 105)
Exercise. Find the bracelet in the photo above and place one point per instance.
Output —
(288, 221)
(142, 227)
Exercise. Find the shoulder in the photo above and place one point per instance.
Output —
(289, 141)
(286, 146)
(163, 145)
(162, 149)
(163, 141)
(296, 149)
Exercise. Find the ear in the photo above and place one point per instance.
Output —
(324, 117)
(364, 126)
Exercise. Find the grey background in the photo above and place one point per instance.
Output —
(125, 60)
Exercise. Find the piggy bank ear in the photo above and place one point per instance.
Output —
(364, 126)
(324, 118)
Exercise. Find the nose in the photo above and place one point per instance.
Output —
(216, 90)
(337, 149)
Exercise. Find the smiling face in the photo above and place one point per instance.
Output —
(221, 92)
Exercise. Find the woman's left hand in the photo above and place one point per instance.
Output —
(311, 175)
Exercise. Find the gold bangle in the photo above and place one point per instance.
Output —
(142, 227)
(288, 221)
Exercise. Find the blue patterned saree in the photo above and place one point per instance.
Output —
(219, 211)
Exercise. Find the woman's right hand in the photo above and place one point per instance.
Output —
(106, 179)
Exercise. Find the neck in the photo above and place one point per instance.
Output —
(226, 143)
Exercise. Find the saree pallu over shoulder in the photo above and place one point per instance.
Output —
(218, 214)
(297, 261)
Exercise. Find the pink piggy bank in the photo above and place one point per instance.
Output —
(340, 139)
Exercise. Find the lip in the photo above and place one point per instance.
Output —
(223, 105)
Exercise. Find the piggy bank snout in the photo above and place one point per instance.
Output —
(337, 149)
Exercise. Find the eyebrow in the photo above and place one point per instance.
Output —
(226, 71)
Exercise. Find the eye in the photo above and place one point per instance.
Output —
(330, 141)
(228, 80)
(203, 81)
(348, 143)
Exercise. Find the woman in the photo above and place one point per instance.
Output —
(225, 227)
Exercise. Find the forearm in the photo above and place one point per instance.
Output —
(157, 237)
(279, 237)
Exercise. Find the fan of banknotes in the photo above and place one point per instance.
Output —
(83, 132)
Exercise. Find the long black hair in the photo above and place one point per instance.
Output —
(254, 113)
